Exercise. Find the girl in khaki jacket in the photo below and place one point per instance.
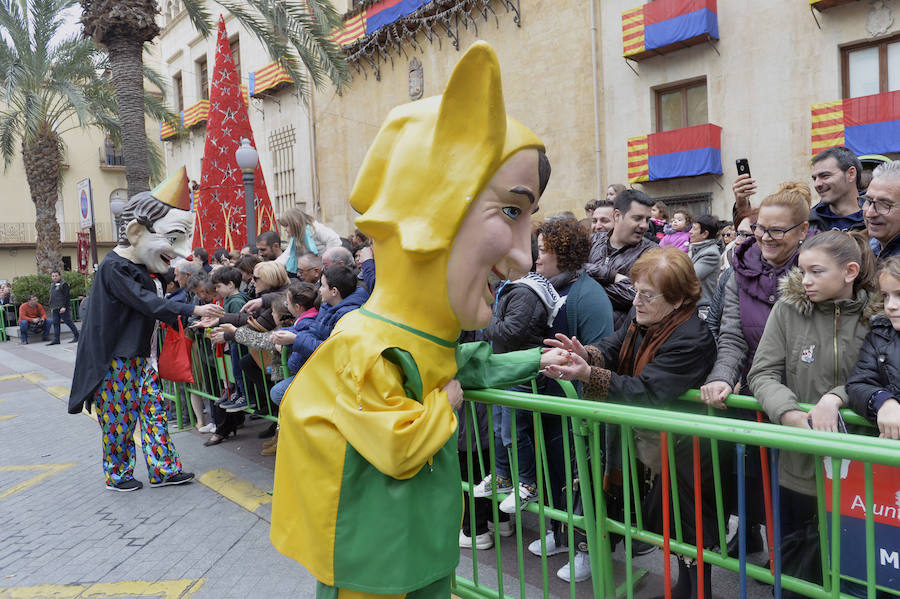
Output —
(808, 349)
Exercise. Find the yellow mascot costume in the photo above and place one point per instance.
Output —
(367, 484)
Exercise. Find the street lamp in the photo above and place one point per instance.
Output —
(247, 159)
(116, 206)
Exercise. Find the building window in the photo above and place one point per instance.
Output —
(696, 204)
(281, 145)
(113, 155)
(681, 105)
(203, 74)
(178, 92)
(871, 68)
(236, 55)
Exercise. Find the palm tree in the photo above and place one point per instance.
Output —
(294, 32)
(46, 90)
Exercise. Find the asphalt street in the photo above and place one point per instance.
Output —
(63, 535)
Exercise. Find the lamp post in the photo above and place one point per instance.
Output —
(116, 206)
(247, 159)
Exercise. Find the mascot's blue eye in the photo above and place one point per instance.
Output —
(172, 240)
(512, 212)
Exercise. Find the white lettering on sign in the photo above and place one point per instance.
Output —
(892, 558)
(878, 509)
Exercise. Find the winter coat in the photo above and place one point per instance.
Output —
(681, 363)
(265, 318)
(822, 219)
(296, 360)
(807, 350)
(680, 240)
(523, 314)
(891, 248)
(59, 295)
(876, 376)
(320, 328)
(604, 263)
(706, 259)
(746, 302)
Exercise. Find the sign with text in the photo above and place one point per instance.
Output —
(885, 512)
(85, 203)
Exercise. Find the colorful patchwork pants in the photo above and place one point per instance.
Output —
(130, 393)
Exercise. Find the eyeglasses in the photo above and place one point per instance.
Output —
(255, 278)
(645, 298)
(774, 232)
(744, 233)
(881, 207)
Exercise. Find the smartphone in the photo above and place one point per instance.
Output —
(743, 166)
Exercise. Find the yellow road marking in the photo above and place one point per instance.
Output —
(58, 391)
(48, 470)
(10, 377)
(163, 589)
(33, 377)
(7, 416)
(242, 492)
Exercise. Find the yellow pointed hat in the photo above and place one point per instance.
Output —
(431, 158)
(174, 191)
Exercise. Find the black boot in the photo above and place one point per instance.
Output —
(754, 541)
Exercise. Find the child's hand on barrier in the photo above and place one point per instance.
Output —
(889, 419)
(824, 415)
(217, 336)
(283, 337)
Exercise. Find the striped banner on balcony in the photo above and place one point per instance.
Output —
(196, 114)
(353, 29)
(633, 31)
(827, 125)
(638, 159)
(269, 77)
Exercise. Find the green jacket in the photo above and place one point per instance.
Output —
(807, 350)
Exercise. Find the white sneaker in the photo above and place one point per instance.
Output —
(483, 489)
(582, 568)
(482, 541)
(535, 546)
(526, 495)
(208, 428)
(505, 528)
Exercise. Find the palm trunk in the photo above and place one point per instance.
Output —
(126, 63)
(42, 168)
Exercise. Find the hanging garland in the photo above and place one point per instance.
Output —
(432, 20)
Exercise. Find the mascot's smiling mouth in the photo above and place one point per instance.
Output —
(166, 258)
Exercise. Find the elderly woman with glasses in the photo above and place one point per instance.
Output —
(663, 350)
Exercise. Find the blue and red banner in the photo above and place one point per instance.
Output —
(885, 515)
(387, 11)
(866, 125)
(686, 152)
(667, 24)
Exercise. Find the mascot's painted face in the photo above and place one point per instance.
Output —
(170, 239)
(494, 237)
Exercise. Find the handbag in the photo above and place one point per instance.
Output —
(175, 356)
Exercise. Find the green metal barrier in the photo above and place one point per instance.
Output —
(587, 421)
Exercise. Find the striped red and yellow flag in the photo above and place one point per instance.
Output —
(827, 125)
(167, 130)
(353, 29)
(196, 114)
(638, 159)
(633, 31)
(268, 77)
(245, 94)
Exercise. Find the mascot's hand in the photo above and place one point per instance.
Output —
(454, 393)
(209, 311)
(253, 305)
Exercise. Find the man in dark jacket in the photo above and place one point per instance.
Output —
(59, 307)
(882, 210)
(835, 175)
(613, 254)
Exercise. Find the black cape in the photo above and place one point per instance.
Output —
(118, 321)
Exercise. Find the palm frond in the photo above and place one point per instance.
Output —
(156, 78)
(199, 16)
(15, 25)
(10, 124)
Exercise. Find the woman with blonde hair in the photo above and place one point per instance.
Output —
(306, 235)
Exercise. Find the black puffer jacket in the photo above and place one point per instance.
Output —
(876, 376)
(519, 320)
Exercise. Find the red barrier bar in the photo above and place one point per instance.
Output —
(667, 566)
(698, 519)
(767, 499)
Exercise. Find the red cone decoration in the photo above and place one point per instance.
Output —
(221, 221)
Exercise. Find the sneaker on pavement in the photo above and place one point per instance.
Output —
(482, 541)
(527, 494)
(175, 479)
(552, 549)
(483, 489)
(505, 528)
(235, 406)
(125, 485)
(208, 428)
(582, 567)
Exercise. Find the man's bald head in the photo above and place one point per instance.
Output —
(338, 256)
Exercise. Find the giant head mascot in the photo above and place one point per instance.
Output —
(115, 365)
(367, 482)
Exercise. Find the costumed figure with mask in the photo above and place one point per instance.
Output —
(115, 367)
(367, 481)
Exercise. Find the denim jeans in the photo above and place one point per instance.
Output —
(278, 390)
(236, 368)
(503, 419)
(66, 317)
(25, 325)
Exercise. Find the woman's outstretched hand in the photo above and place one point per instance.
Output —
(570, 344)
(568, 367)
